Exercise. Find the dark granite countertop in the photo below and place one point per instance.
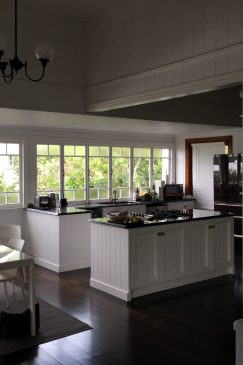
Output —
(195, 215)
(108, 204)
(127, 203)
(60, 211)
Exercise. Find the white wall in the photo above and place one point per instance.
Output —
(153, 49)
(62, 88)
(180, 148)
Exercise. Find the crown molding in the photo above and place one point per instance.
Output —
(108, 95)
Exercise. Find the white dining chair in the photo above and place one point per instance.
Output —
(10, 235)
(11, 275)
(9, 231)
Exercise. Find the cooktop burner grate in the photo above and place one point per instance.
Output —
(165, 214)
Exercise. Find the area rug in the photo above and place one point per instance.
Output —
(54, 324)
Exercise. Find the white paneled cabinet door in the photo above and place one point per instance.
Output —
(170, 241)
(220, 235)
(198, 249)
(144, 258)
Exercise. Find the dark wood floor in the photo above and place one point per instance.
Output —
(192, 326)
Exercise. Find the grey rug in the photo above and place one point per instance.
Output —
(54, 324)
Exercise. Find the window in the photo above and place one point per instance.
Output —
(93, 172)
(141, 168)
(48, 169)
(121, 171)
(74, 173)
(9, 173)
(161, 163)
(98, 172)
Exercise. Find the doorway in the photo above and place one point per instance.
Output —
(227, 140)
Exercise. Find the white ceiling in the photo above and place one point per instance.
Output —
(12, 118)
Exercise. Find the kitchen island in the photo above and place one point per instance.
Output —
(59, 239)
(129, 261)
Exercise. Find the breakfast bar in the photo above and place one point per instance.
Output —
(130, 260)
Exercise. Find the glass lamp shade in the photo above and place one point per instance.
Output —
(2, 43)
(44, 51)
(6, 56)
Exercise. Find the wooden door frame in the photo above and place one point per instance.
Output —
(188, 156)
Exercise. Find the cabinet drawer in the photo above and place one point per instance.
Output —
(181, 205)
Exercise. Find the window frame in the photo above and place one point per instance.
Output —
(79, 142)
(8, 140)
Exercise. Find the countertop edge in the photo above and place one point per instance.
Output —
(58, 212)
(159, 223)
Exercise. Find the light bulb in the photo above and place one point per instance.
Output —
(2, 43)
(44, 51)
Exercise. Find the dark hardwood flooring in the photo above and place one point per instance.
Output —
(192, 325)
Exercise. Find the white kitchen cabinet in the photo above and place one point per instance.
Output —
(181, 205)
(58, 242)
(157, 254)
(147, 259)
(219, 235)
(198, 246)
(144, 258)
(171, 260)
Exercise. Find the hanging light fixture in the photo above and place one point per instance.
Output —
(43, 52)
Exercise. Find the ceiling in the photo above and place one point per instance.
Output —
(71, 9)
(219, 107)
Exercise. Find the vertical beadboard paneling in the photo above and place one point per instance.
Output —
(42, 235)
(109, 248)
(59, 243)
(74, 241)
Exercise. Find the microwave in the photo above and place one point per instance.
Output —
(173, 191)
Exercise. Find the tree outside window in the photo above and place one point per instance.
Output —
(74, 173)
(160, 163)
(48, 169)
(98, 172)
(141, 168)
(9, 173)
(121, 171)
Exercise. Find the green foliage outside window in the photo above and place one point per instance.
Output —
(9, 173)
(48, 173)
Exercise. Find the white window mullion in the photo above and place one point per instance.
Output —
(110, 173)
(87, 172)
(151, 172)
(61, 177)
(131, 174)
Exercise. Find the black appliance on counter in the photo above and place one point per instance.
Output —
(173, 191)
(43, 202)
(227, 170)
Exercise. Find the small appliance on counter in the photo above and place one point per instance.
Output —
(63, 202)
(43, 202)
(173, 191)
(53, 199)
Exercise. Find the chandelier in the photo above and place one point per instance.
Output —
(10, 67)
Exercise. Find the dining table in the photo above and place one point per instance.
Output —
(14, 259)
